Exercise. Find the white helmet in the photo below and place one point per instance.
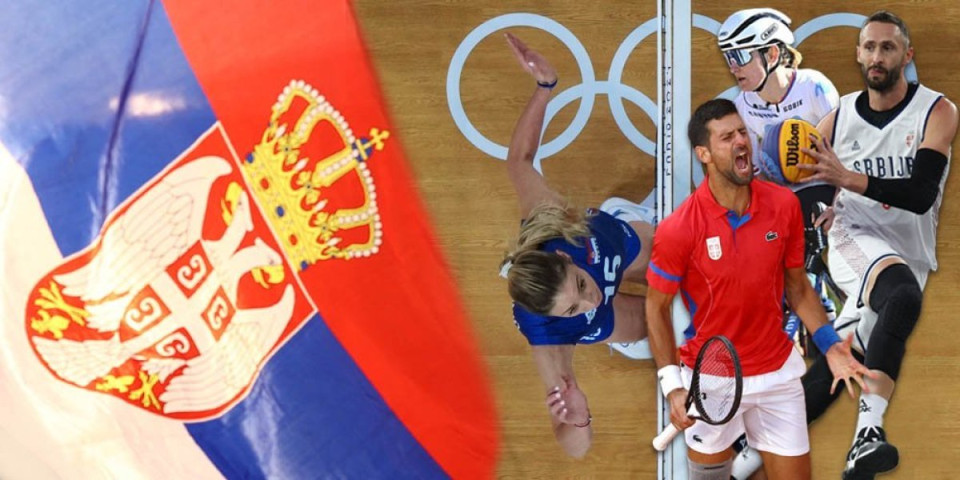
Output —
(754, 27)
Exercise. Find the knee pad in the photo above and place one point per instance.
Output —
(713, 471)
(897, 299)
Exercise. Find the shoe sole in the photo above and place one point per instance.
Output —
(883, 459)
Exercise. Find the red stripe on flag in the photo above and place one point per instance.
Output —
(397, 311)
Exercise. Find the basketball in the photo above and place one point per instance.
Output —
(780, 152)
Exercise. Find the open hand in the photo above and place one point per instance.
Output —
(844, 367)
(828, 167)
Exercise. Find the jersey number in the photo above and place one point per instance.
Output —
(610, 275)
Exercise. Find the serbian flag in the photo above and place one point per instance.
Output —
(214, 263)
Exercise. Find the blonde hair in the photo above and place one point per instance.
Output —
(534, 276)
(790, 57)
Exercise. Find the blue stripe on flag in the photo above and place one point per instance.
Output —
(313, 411)
(64, 83)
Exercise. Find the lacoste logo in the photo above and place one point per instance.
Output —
(696, 438)
(771, 236)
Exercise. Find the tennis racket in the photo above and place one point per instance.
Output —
(715, 389)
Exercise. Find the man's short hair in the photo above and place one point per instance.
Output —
(715, 109)
(885, 16)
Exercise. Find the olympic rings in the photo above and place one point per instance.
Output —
(589, 87)
(514, 20)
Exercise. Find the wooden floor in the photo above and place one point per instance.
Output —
(474, 210)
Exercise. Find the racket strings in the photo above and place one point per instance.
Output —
(717, 383)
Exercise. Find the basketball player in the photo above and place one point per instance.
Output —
(566, 270)
(735, 248)
(888, 150)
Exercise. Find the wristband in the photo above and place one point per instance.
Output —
(548, 86)
(670, 379)
(825, 337)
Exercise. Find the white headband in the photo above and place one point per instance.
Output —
(505, 269)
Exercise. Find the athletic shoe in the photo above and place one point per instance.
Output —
(745, 463)
(628, 211)
(870, 455)
(639, 350)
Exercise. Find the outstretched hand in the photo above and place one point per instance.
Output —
(844, 367)
(531, 61)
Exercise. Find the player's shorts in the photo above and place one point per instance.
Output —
(852, 257)
(772, 413)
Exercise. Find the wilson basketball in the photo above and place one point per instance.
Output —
(780, 152)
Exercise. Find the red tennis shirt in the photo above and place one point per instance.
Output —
(730, 271)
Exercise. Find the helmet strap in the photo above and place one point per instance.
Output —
(767, 70)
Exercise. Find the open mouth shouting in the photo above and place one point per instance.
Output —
(742, 163)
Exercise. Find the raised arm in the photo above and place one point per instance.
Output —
(569, 413)
(531, 187)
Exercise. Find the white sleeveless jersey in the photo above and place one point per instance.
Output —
(811, 96)
(887, 152)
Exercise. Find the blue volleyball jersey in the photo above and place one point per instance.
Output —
(605, 254)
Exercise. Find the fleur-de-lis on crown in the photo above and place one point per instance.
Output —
(292, 188)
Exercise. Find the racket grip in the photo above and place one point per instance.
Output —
(665, 437)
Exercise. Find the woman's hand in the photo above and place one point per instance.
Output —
(568, 404)
(531, 61)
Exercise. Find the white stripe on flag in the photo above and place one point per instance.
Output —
(62, 431)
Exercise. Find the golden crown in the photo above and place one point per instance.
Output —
(295, 190)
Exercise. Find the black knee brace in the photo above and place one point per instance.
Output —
(897, 299)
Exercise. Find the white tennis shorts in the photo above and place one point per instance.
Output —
(852, 257)
(772, 413)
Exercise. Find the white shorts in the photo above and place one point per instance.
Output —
(772, 413)
(852, 256)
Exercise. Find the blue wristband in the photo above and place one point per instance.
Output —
(825, 337)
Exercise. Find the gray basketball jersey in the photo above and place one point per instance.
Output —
(887, 152)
